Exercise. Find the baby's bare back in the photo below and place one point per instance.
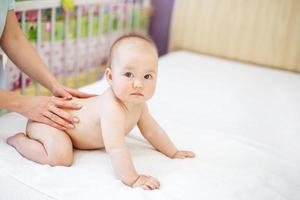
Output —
(85, 135)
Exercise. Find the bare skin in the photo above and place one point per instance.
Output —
(105, 120)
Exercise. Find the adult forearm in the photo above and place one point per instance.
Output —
(25, 57)
(10, 101)
(23, 54)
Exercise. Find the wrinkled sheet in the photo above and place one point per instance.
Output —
(241, 120)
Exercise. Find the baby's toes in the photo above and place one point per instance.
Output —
(12, 140)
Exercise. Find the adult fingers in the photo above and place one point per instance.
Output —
(64, 115)
(61, 103)
(57, 120)
(61, 92)
(79, 94)
(45, 120)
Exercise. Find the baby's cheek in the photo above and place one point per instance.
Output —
(150, 91)
(122, 91)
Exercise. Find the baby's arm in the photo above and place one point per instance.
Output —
(113, 127)
(158, 138)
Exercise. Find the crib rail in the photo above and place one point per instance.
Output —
(68, 40)
(44, 4)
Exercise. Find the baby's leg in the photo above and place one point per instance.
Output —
(29, 148)
(44, 144)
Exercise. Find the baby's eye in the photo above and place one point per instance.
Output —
(129, 75)
(148, 76)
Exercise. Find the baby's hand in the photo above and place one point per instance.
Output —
(183, 154)
(146, 182)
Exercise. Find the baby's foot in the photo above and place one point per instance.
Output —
(12, 140)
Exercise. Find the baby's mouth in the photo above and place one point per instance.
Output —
(137, 94)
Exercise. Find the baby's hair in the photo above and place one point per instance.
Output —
(127, 36)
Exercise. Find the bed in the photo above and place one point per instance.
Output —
(241, 120)
(234, 116)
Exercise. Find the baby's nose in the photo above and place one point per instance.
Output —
(138, 84)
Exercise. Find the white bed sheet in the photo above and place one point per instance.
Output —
(242, 121)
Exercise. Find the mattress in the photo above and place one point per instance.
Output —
(241, 120)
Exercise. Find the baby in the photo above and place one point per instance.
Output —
(106, 119)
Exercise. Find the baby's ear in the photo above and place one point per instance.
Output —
(108, 75)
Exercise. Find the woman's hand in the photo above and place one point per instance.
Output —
(183, 154)
(48, 110)
(146, 182)
(67, 93)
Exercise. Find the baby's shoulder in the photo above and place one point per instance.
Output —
(110, 105)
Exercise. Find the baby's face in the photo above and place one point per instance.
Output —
(134, 71)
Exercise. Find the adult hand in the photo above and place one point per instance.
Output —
(61, 91)
(47, 110)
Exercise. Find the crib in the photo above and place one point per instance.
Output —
(73, 42)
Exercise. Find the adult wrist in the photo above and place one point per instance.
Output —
(16, 103)
(53, 86)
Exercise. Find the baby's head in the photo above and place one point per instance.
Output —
(132, 68)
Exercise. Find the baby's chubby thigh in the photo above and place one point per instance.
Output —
(57, 143)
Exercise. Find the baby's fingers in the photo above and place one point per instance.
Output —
(152, 183)
(184, 154)
(149, 185)
(146, 187)
(179, 155)
(189, 154)
(155, 183)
